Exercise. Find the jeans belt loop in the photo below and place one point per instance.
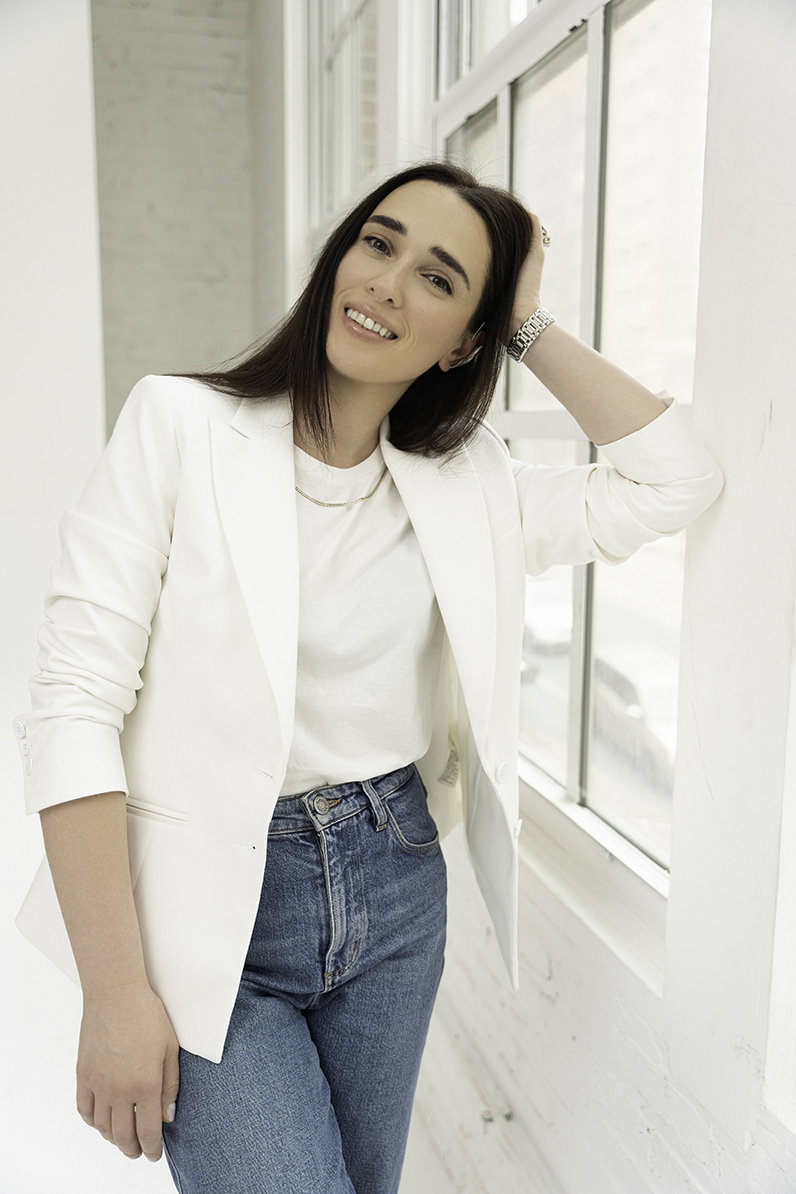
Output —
(376, 803)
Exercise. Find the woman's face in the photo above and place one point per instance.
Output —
(417, 269)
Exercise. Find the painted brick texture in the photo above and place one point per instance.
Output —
(172, 94)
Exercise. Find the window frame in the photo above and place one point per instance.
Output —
(539, 35)
(624, 892)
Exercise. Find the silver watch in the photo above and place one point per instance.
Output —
(525, 337)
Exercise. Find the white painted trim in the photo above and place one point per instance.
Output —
(613, 842)
(542, 30)
(297, 149)
(611, 886)
(595, 36)
(731, 771)
(535, 424)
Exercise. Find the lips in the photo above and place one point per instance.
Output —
(370, 324)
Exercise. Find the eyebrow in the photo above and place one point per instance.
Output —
(441, 254)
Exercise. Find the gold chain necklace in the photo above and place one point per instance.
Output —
(353, 501)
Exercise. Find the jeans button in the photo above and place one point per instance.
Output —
(320, 804)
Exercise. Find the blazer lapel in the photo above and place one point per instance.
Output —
(446, 506)
(254, 479)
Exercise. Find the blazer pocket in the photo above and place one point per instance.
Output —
(156, 812)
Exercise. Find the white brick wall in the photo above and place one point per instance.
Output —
(172, 85)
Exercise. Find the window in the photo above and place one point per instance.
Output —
(605, 123)
(344, 49)
(469, 29)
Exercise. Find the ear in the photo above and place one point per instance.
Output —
(457, 355)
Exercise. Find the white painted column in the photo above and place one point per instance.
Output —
(50, 311)
(53, 424)
(738, 625)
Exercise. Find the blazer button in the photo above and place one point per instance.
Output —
(19, 729)
(24, 746)
(28, 765)
(502, 772)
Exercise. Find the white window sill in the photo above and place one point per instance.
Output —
(611, 886)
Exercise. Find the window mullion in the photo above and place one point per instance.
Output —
(593, 176)
(583, 576)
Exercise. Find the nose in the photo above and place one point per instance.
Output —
(386, 286)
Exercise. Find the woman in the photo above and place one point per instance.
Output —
(310, 568)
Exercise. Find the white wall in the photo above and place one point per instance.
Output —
(174, 149)
(53, 421)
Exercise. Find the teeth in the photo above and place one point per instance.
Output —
(371, 324)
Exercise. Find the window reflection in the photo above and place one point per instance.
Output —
(353, 100)
(544, 686)
(475, 145)
(653, 204)
(636, 644)
(491, 20)
(655, 146)
(548, 166)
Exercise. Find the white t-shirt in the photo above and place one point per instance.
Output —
(370, 631)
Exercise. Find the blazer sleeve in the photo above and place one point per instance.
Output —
(104, 590)
(658, 480)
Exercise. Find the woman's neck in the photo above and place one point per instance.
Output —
(357, 414)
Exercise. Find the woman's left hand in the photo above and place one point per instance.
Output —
(526, 296)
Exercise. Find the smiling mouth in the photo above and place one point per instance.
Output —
(369, 324)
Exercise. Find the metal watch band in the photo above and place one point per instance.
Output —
(525, 337)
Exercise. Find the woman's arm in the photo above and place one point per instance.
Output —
(127, 1066)
(606, 402)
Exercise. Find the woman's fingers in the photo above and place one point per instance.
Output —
(526, 298)
(127, 1069)
(171, 1082)
(147, 1122)
(123, 1130)
(85, 1103)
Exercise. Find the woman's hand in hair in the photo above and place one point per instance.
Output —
(526, 296)
(127, 1068)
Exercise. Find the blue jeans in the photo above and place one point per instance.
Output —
(313, 1093)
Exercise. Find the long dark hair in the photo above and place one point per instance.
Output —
(439, 410)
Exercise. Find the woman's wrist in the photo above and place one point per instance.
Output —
(522, 313)
(529, 332)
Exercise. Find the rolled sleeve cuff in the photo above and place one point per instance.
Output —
(66, 758)
(666, 450)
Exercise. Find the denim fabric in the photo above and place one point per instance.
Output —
(314, 1090)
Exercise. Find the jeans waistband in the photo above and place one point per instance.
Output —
(381, 784)
(325, 806)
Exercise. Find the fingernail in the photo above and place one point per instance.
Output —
(170, 1112)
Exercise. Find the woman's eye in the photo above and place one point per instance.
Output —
(440, 282)
(377, 243)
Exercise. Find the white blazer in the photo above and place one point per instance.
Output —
(168, 658)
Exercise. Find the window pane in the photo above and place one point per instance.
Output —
(655, 151)
(450, 42)
(367, 100)
(636, 642)
(548, 156)
(491, 20)
(353, 100)
(475, 145)
(655, 148)
(544, 688)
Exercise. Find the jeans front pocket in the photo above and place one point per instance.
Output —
(409, 819)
